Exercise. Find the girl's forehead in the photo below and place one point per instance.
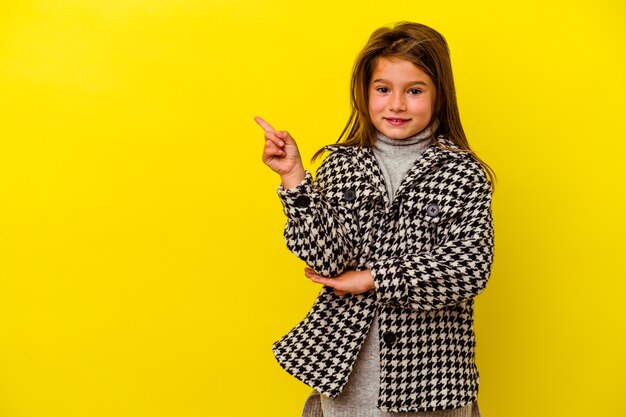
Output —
(398, 68)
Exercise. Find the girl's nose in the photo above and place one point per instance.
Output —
(397, 103)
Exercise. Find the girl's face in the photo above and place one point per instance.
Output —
(401, 98)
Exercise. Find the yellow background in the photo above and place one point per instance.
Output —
(142, 267)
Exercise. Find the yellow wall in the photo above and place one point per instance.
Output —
(142, 268)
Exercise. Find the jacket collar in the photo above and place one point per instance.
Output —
(431, 160)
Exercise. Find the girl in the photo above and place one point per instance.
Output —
(397, 228)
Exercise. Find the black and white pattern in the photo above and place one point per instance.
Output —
(430, 251)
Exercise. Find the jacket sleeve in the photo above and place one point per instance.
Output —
(453, 271)
(314, 231)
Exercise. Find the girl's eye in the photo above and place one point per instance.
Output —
(415, 91)
(382, 89)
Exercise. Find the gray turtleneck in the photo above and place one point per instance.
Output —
(395, 157)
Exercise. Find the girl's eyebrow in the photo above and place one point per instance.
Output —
(382, 80)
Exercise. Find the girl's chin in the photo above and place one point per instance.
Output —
(398, 135)
(400, 132)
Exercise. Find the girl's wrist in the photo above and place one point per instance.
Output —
(293, 178)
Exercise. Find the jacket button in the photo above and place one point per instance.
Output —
(349, 195)
(389, 338)
(433, 210)
(302, 201)
(435, 168)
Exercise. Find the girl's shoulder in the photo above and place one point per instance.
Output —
(464, 162)
(345, 163)
(462, 157)
(344, 149)
(338, 154)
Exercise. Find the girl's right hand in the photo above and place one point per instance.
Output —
(281, 155)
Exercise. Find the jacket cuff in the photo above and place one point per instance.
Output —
(387, 284)
(298, 201)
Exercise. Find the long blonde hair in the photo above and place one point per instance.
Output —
(428, 50)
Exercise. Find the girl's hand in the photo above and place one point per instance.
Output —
(281, 155)
(353, 282)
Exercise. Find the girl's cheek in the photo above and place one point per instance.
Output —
(375, 105)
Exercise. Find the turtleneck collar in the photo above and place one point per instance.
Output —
(427, 133)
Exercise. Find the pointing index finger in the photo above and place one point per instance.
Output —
(264, 125)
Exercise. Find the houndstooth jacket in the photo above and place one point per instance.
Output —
(430, 251)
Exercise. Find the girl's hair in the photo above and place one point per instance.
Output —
(428, 50)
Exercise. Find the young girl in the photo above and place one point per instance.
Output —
(397, 228)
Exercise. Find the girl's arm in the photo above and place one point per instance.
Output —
(313, 231)
(454, 271)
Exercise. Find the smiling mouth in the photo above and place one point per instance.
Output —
(396, 121)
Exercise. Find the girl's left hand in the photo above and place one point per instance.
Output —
(353, 282)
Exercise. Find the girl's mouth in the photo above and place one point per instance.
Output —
(396, 121)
